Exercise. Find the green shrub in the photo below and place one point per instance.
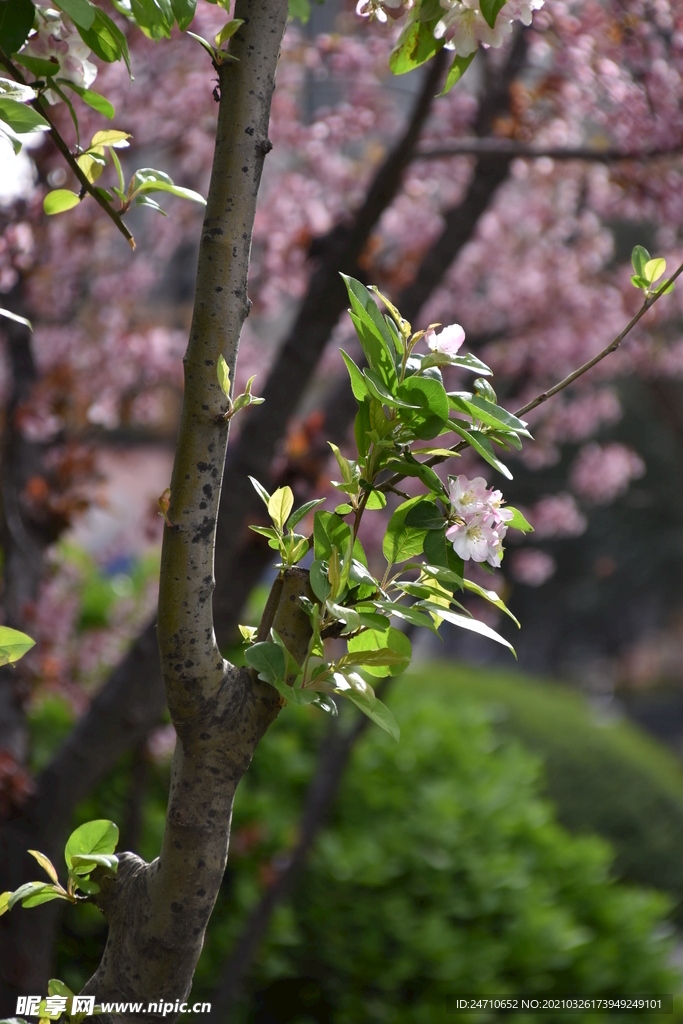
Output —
(442, 873)
(603, 775)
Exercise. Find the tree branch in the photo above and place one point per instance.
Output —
(504, 149)
(63, 148)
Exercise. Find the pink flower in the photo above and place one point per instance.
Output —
(469, 497)
(479, 538)
(447, 341)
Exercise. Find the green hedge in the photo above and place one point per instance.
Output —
(604, 776)
(443, 872)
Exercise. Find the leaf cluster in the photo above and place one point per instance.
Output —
(401, 400)
(89, 847)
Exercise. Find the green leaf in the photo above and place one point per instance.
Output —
(184, 11)
(492, 597)
(409, 466)
(228, 30)
(490, 9)
(223, 373)
(154, 17)
(518, 522)
(106, 39)
(432, 401)
(59, 201)
(55, 987)
(13, 645)
(175, 190)
(146, 201)
(4, 902)
(260, 490)
(294, 694)
(358, 385)
(379, 713)
(16, 21)
(487, 412)
(280, 505)
(373, 333)
(24, 891)
(329, 529)
(375, 501)
(110, 137)
(654, 269)
(268, 660)
(81, 12)
(383, 393)
(439, 551)
(46, 895)
(84, 884)
(94, 837)
(22, 118)
(320, 584)
(402, 541)
(466, 362)
(302, 511)
(639, 257)
(18, 319)
(466, 623)
(46, 864)
(483, 446)
(425, 516)
(41, 67)
(99, 103)
(373, 640)
(92, 860)
(415, 45)
(300, 9)
(11, 90)
(456, 71)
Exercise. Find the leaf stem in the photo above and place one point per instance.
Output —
(63, 148)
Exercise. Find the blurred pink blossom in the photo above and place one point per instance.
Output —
(532, 567)
(602, 472)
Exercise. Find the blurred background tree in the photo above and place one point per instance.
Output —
(510, 205)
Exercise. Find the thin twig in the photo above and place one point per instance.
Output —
(63, 148)
(390, 483)
(612, 347)
(508, 150)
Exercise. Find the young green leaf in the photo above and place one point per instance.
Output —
(223, 372)
(228, 31)
(653, 270)
(94, 837)
(518, 522)
(492, 597)
(302, 511)
(358, 385)
(415, 46)
(482, 446)
(639, 257)
(106, 39)
(13, 645)
(46, 864)
(425, 515)
(280, 505)
(466, 623)
(18, 319)
(99, 103)
(260, 490)
(24, 891)
(373, 640)
(21, 118)
(59, 201)
(320, 584)
(268, 660)
(11, 90)
(377, 711)
(402, 541)
(44, 895)
(490, 9)
(81, 12)
(456, 71)
(184, 11)
(430, 398)
(4, 902)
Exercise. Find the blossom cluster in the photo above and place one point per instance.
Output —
(481, 520)
(463, 26)
(57, 39)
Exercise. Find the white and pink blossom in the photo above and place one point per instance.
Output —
(447, 341)
(481, 528)
(57, 39)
